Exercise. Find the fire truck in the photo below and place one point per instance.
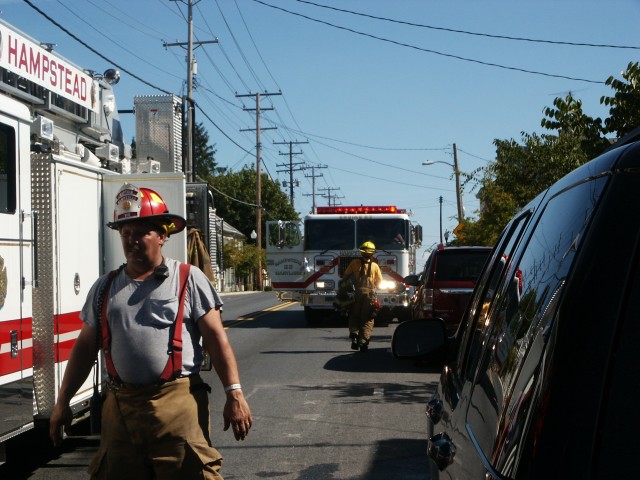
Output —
(62, 159)
(306, 262)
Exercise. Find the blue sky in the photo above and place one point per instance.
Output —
(373, 97)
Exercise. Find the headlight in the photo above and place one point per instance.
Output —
(388, 285)
(325, 284)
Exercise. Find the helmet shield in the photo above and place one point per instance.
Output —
(139, 203)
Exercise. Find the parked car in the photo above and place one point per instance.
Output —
(542, 379)
(444, 287)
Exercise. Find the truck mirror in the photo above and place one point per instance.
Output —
(417, 233)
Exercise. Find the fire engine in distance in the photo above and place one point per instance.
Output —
(306, 262)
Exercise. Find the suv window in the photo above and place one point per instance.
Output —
(483, 296)
(519, 323)
(459, 266)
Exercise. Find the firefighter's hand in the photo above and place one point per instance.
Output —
(60, 418)
(237, 414)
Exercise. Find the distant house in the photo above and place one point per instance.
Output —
(226, 234)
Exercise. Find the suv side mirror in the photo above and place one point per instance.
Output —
(412, 280)
(423, 339)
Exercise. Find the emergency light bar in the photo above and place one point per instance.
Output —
(360, 209)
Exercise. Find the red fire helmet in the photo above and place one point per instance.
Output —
(140, 203)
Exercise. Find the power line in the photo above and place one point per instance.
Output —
(395, 167)
(232, 198)
(93, 49)
(371, 147)
(466, 32)
(110, 39)
(426, 50)
(220, 130)
(361, 174)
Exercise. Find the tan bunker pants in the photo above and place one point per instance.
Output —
(158, 432)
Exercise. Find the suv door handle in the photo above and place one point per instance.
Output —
(434, 410)
(441, 450)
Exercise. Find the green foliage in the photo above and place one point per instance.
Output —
(569, 120)
(203, 153)
(244, 258)
(523, 169)
(133, 148)
(235, 200)
(624, 111)
(519, 173)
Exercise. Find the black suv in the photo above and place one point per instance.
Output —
(542, 379)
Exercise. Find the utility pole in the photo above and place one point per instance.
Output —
(188, 168)
(456, 171)
(329, 196)
(440, 219)
(313, 177)
(258, 176)
(291, 164)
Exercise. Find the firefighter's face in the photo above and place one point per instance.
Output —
(141, 241)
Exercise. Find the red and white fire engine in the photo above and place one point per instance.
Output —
(62, 158)
(307, 263)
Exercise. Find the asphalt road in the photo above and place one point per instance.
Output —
(321, 411)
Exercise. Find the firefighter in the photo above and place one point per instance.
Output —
(149, 318)
(367, 276)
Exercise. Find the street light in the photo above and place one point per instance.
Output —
(456, 171)
(254, 236)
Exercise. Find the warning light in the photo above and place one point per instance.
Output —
(362, 209)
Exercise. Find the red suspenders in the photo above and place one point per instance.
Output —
(173, 369)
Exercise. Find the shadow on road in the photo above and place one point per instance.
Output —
(377, 360)
(391, 457)
(409, 393)
(32, 456)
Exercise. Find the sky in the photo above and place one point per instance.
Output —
(367, 90)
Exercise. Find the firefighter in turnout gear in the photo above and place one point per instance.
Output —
(152, 318)
(367, 276)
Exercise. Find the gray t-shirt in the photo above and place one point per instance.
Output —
(140, 314)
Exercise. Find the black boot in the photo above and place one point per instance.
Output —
(354, 340)
(363, 345)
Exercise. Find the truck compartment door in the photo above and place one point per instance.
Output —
(16, 388)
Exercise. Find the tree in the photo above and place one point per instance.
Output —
(519, 173)
(133, 148)
(244, 258)
(568, 119)
(624, 111)
(203, 153)
(235, 200)
(522, 170)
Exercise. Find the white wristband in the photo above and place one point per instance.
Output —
(233, 386)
